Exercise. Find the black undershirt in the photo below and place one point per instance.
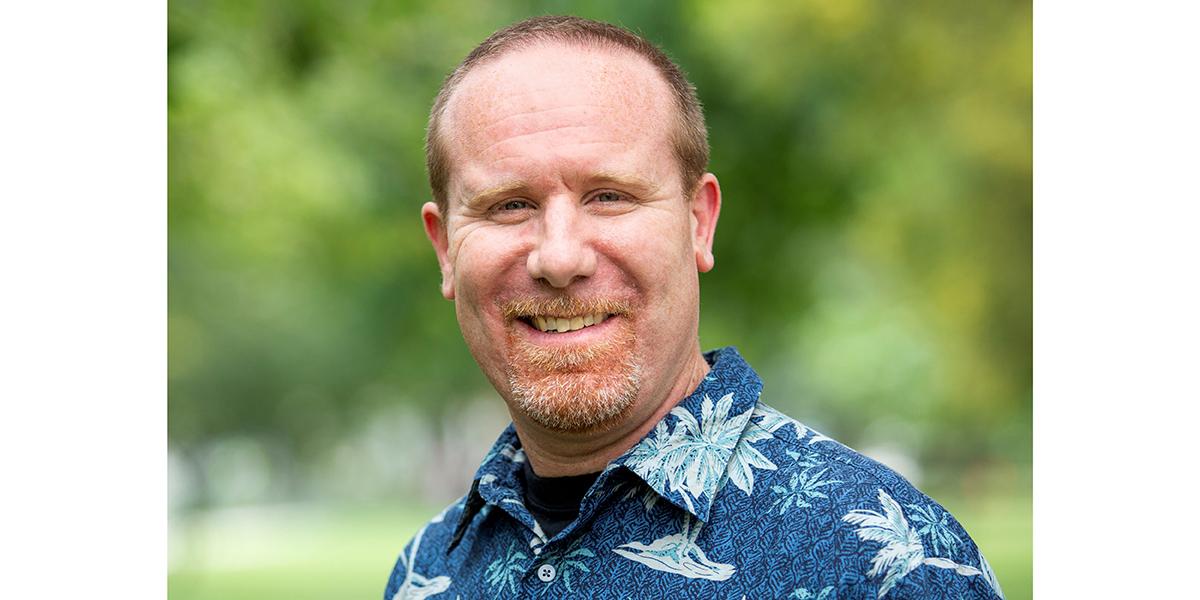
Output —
(554, 501)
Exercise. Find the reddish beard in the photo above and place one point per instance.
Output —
(580, 388)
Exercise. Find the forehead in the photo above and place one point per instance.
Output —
(561, 103)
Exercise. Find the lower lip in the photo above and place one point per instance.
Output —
(571, 338)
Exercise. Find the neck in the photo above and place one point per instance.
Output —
(554, 453)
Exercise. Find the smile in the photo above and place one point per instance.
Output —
(564, 324)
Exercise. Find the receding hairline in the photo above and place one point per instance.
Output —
(688, 134)
(482, 67)
(661, 97)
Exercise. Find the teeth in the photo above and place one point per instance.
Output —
(563, 324)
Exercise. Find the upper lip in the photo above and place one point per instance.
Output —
(565, 323)
(564, 313)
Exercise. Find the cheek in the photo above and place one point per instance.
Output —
(484, 264)
(657, 249)
(477, 277)
(658, 260)
(472, 291)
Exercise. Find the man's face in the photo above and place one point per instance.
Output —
(570, 247)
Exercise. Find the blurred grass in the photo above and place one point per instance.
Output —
(347, 553)
(295, 554)
(1002, 527)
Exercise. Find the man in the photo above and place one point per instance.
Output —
(572, 216)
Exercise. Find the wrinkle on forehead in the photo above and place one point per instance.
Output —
(608, 94)
(520, 78)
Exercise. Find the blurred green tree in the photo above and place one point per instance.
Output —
(873, 255)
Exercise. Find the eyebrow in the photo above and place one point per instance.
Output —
(626, 180)
(505, 188)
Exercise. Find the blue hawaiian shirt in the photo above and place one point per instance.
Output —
(725, 498)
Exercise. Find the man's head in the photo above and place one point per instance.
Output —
(568, 229)
(689, 136)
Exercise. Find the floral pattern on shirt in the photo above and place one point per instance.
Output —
(805, 517)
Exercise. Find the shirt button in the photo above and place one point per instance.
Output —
(546, 573)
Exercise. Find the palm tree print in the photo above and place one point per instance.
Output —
(772, 420)
(569, 560)
(902, 551)
(649, 496)
(517, 455)
(538, 539)
(678, 553)
(746, 456)
(989, 575)
(504, 571)
(826, 593)
(697, 455)
(934, 524)
(701, 450)
(802, 486)
(415, 585)
(647, 457)
(803, 459)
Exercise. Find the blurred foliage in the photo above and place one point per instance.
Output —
(873, 254)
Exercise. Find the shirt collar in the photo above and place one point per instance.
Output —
(683, 459)
(495, 481)
(686, 456)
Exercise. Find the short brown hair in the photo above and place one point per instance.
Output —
(689, 140)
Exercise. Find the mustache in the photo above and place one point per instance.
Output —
(563, 306)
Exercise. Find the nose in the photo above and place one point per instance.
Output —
(563, 251)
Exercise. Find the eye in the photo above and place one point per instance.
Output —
(608, 196)
(515, 204)
(512, 210)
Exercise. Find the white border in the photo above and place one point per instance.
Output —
(83, 300)
(1116, 264)
(82, 312)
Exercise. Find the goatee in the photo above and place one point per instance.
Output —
(580, 388)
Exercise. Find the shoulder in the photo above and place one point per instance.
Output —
(799, 448)
(424, 555)
(886, 535)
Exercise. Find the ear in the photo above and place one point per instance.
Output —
(706, 207)
(435, 230)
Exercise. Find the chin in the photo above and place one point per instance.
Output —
(574, 387)
(576, 402)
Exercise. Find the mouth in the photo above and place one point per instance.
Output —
(564, 323)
